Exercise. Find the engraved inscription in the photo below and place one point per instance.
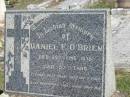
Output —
(56, 53)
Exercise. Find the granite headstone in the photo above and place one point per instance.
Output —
(58, 53)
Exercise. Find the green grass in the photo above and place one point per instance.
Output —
(101, 4)
(123, 82)
(22, 4)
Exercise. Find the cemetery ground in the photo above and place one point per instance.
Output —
(22, 4)
(122, 80)
(101, 4)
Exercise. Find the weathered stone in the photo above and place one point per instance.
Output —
(59, 53)
(121, 40)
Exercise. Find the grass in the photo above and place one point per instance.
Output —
(22, 4)
(123, 81)
(101, 4)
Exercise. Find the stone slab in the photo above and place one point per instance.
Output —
(120, 11)
(121, 40)
(58, 53)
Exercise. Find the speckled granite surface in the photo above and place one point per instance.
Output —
(58, 53)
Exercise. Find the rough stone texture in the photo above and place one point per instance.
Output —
(121, 40)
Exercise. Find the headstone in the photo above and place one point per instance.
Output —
(2, 10)
(58, 53)
(121, 40)
(119, 11)
(128, 11)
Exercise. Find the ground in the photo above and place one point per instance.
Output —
(123, 81)
(22, 4)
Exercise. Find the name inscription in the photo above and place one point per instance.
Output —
(56, 53)
(63, 59)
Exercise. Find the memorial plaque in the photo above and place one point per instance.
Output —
(56, 53)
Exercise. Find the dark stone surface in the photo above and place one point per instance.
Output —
(66, 53)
